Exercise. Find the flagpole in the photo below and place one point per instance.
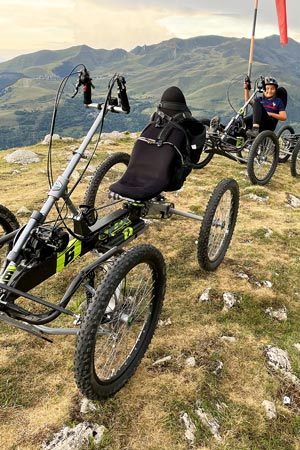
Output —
(252, 39)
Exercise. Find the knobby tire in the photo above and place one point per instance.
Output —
(218, 224)
(125, 306)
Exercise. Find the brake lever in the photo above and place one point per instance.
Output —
(84, 80)
(76, 89)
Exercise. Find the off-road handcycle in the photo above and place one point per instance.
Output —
(260, 154)
(114, 300)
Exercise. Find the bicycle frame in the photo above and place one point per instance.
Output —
(20, 276)
(108, 235)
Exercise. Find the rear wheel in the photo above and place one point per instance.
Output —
(218, 224)
(295, 162)
(207, 151)
(107, 173)
(263, 158)
(284, 140)
(120, 322)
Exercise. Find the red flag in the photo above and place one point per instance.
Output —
(282, 21)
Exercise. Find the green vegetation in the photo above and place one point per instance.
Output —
(205, 68)
(38, 395)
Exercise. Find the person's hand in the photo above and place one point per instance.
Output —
(247, 83)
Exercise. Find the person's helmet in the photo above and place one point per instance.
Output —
(173, 102)
(270, 80)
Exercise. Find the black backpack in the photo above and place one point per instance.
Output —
(163, 156)
(187, 143)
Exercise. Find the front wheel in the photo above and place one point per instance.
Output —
(263, 158)
(284, 140)
(8, 223)
(207, 151)
(218, 224)
(107, 173)
(295, 161)
(120, 322)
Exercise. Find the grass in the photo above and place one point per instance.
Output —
(38, 394)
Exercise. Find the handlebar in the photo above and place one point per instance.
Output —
(85, 80)
(119, 104)
(122, 94)
(260, 84)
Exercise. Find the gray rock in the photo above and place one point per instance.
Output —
(270, 409)
(46, 140)
(258, 198)
(164, 323)
(278, 314)
(204, 297)
(218, 368)
(190, 362)
(76, 438)
(278, 358)
(87, 406)
(230, 300)
(268, 232)
(162, 361)
(209, 421)
(22, 156)
(190, 428)
(293, 201)
(23, 211)
(228, 338)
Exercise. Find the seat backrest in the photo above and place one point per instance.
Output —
(161, 158)
(151, 167)
(282, 94)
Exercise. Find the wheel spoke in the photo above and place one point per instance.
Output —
(120, 322)
(135, 301)
(264, 158)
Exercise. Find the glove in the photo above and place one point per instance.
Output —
(247, 83)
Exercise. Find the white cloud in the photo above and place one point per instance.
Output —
(31, 25)
(208, 24)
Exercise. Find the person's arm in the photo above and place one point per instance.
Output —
(247, 92)
(280, 116)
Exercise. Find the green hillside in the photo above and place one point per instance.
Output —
(209, 70)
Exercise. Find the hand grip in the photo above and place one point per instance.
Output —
(122, 94)
(248, 82)
(87, 93)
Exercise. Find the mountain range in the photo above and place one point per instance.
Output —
(209, 70)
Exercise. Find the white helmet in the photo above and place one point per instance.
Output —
(270, 80)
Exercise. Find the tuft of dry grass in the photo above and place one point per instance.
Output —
(37, 390)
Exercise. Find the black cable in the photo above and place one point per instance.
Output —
(107, 101)
(54, 114)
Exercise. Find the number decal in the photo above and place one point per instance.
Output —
(127, 232)
(68, 255)
(10, 270)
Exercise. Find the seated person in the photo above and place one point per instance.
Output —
(161, 155)
(267, 110)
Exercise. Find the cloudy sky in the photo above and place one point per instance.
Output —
(32, 25)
